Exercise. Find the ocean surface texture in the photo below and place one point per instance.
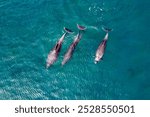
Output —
(29, 29)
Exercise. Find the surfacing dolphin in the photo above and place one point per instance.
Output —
(101, 49)
(73, 45)
(52, 56)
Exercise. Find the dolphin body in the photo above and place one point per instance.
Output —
(73, 45)
(52, 56)
(101, 49)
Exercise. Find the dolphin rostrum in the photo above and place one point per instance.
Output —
(101, 49)
(52, 56)
(73, 45)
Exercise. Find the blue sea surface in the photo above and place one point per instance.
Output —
(29, 29)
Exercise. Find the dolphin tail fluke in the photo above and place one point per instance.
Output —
(106, 29)
(68, 30)
(81, 27)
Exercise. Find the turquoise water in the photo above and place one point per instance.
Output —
(29, 29)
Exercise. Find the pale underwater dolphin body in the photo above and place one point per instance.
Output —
(101, 49)
(73, 45)
(52, 56)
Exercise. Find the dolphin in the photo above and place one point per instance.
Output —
(101, 48)
(73, 45)
(52, 56)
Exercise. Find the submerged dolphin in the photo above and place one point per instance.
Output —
(101, 49)
(73, 45)
(52, 56)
